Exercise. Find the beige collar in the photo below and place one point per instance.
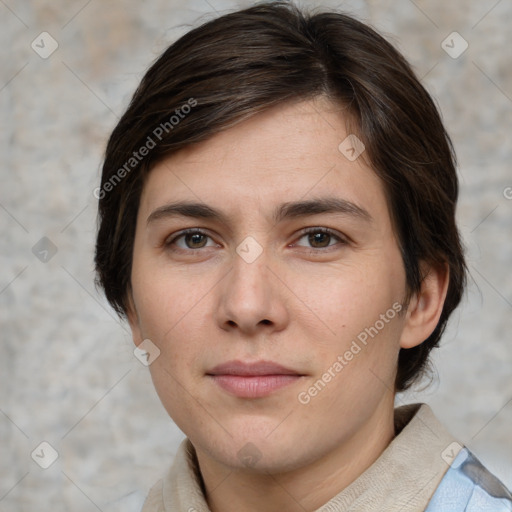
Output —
(402, 479)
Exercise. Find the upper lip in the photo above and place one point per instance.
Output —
(246, 369)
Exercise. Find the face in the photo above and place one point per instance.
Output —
(276, 315)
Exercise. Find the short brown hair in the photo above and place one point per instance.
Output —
(244, 62)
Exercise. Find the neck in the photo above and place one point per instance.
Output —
(306, 488)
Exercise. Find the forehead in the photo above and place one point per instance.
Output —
(289, 152)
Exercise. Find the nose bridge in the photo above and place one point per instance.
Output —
(250, 296)
(249, 281)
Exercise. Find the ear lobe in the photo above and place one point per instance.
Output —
(426, 306)
(133, 319)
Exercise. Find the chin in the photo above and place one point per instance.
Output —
(260, 451)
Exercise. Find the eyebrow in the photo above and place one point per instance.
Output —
(288, 210)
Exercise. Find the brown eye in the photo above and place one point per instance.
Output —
(195, 239)
(321, 238)
(192, 239)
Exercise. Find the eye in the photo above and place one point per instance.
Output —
(192, 238)
(321, 238)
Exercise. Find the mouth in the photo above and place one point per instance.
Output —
(253, 380)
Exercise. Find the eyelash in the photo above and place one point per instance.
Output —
(326, 231)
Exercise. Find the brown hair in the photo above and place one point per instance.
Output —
(244, 62)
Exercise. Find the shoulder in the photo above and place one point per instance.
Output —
(469, 486)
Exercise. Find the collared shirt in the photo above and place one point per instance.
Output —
(424, 468)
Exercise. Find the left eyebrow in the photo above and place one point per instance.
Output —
(288, 210)
(321, 205)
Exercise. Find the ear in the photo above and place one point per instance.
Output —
(426, 306)
(133, 320)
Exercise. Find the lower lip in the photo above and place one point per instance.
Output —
(253, 386)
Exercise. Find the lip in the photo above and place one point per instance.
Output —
(253, 380)
(236, 367)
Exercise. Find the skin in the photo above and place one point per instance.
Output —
(301, 303)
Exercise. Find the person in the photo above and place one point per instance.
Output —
(277, 226)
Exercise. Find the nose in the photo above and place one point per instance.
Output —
(252, 297)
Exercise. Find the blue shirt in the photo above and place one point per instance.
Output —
(468, 486)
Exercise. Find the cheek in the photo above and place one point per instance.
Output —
(361, 307)
(174, 391)
(168, 300)
(174, 322)
(353, 298)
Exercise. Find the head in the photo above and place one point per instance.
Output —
(272, 120)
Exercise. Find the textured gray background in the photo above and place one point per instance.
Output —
(67, 371)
